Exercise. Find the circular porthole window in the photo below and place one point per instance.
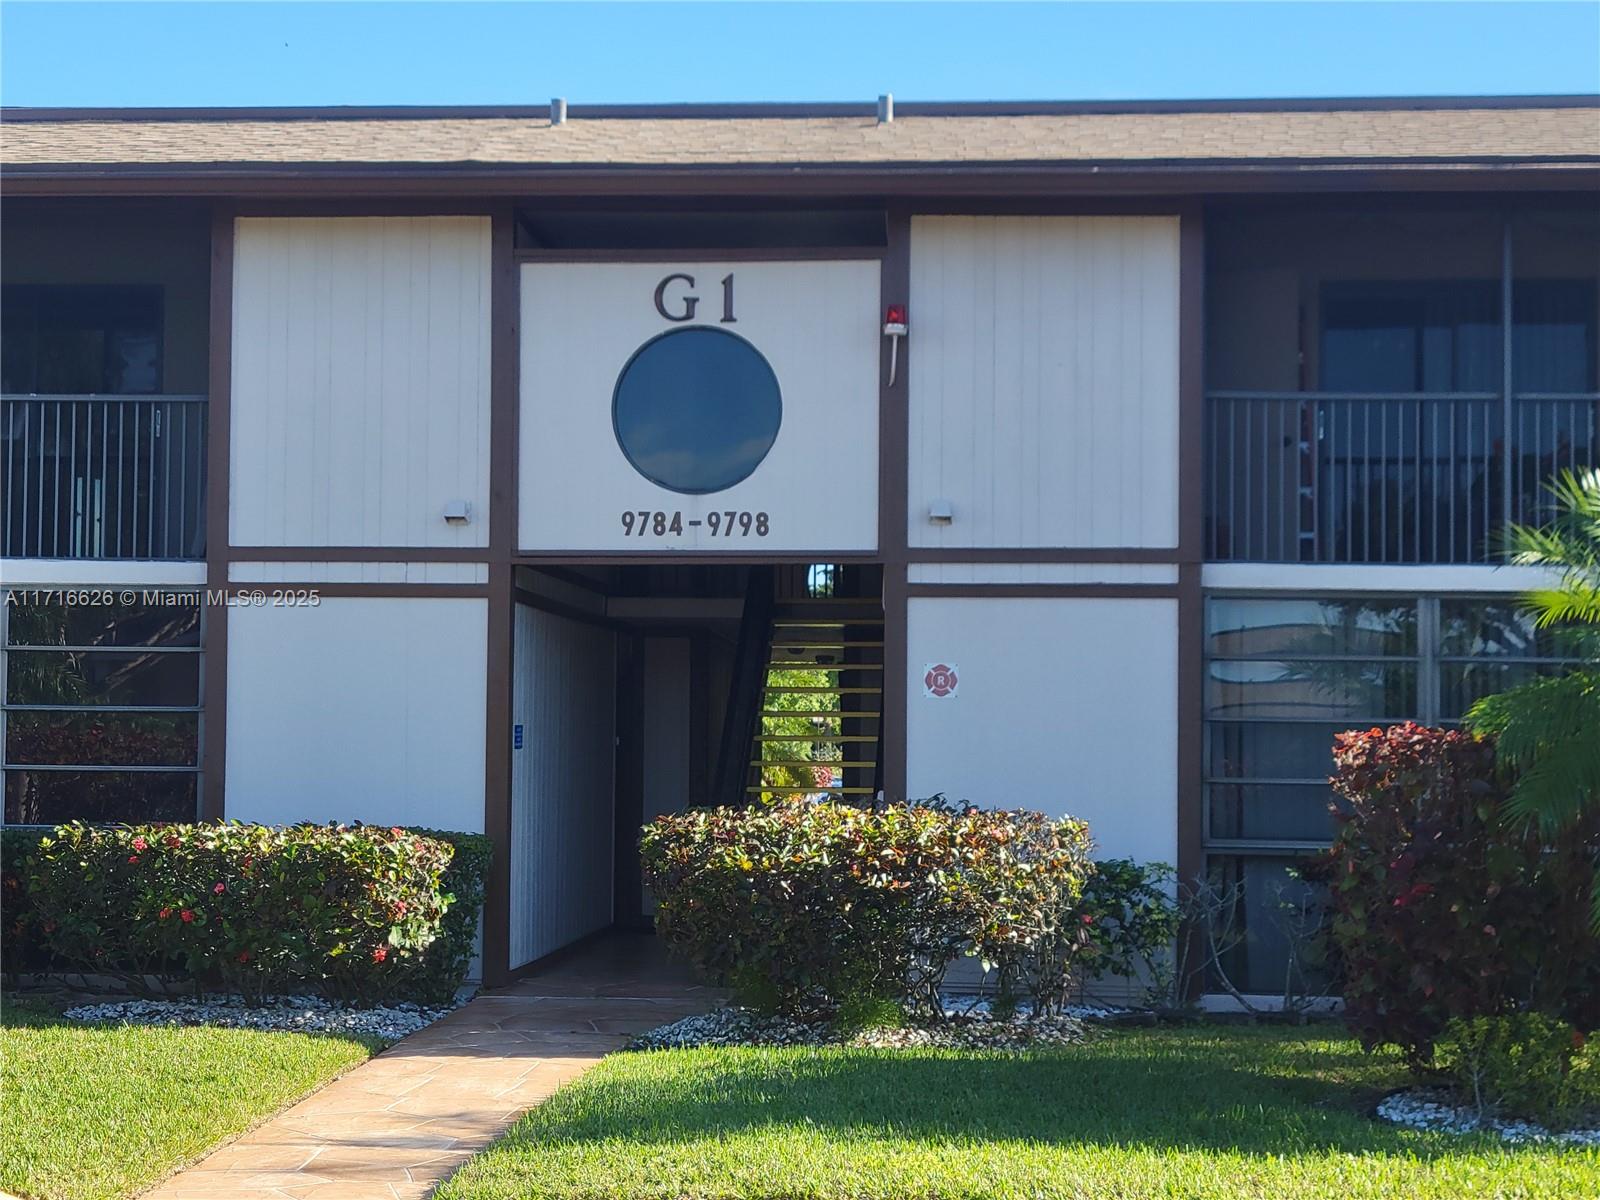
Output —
(696, 410)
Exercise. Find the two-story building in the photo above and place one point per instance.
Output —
(534, 471)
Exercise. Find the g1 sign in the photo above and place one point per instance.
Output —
(704, 407)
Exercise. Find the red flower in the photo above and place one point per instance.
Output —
(381, 953)
(173, 842)
(186, 915)
(1087, 919)
(49, 926)
(219, 889)
(133, 858)
(396, 831)
(164, 913)
(243, 956)
(140, 845)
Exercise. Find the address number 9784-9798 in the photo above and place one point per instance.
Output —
(727, 524)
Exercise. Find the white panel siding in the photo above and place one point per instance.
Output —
(1084, 573)
(562, 793)
(368, 709)
(357, 572)
(360, 399)
(817, 325)
(1044, 381)
(1032, 722)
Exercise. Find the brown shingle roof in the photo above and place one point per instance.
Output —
(1252, 133)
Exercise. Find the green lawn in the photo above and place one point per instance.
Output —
(90, 1112)
(1222, 1113)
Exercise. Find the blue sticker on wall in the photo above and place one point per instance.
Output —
(516, 737)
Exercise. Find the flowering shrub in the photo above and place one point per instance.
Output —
(801, 905)
(351, 911)
(1440, 908)
(19, 947)
(1130, 917)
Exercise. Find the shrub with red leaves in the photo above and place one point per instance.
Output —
(1442, 909)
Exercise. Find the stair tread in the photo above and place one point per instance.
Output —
(816, 737)
(808, 762)
(831, 623)
(831, 691)
(853, 714)
(793, 665)
(835, 644)
(821, 787)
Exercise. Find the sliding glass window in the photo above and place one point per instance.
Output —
(1284, 674)
(102, 708)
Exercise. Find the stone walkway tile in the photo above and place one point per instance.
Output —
(395, 1127)
(287, 1157)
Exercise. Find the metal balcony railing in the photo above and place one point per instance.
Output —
(103, 477)
(1368, 478)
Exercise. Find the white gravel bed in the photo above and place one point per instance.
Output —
(298, 1014)
(744, 1027)
(957, 1006)
(1436, 1109)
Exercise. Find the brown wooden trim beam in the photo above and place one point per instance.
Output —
(214, 766)
(894, 432)
(535, 559)
(372, 590)
(703, 254)
(503, 350)
(937, 183)
(1191, 537)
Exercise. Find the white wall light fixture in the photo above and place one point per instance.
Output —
(457, 512)
(941, 512)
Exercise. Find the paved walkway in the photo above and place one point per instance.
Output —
(394, 1127)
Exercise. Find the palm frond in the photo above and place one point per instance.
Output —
(1547, 730)
(1575, 602)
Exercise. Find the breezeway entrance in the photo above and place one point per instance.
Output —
(647, 689)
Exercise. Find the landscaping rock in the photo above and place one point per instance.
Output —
(297, 1014)
(1436, 1109)
(745, 1027)
(965, 1006)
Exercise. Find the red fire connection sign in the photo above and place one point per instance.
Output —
(940, 680)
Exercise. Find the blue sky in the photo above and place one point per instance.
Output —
(502, 53)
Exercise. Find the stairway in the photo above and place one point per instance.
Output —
(821, 700)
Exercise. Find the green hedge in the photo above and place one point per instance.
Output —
(20, 949)
(436, 974)
(806, 906)
(1523, 1065)
(361, 913)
